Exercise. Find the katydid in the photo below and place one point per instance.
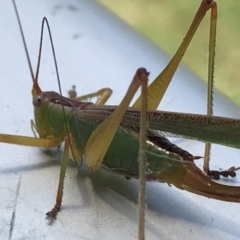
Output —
(174, 167)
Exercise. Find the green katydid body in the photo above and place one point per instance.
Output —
(83, 125)
(219, 130)
(122, 155)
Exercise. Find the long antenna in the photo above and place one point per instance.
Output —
(36, 88)
(23, 39)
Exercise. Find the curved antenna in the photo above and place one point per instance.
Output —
(45, 21)
(36, 89)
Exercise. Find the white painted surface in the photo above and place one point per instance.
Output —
(95, 50)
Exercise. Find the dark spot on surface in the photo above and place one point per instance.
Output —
(69, 7)
(72, 8)
(76, 36)
(56, 9)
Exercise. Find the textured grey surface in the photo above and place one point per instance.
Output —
(95, 50)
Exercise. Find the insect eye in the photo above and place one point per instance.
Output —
(37, 100)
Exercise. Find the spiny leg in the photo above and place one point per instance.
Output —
(102, 136)
(211, 64)
(53, 213)
(102, 95)
(142, 162)
(159, 86)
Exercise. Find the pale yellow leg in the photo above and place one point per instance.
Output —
(34, 128)
(30, 141)
(102, 136)
(159, 86)
(211, 63)
(102, 95)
